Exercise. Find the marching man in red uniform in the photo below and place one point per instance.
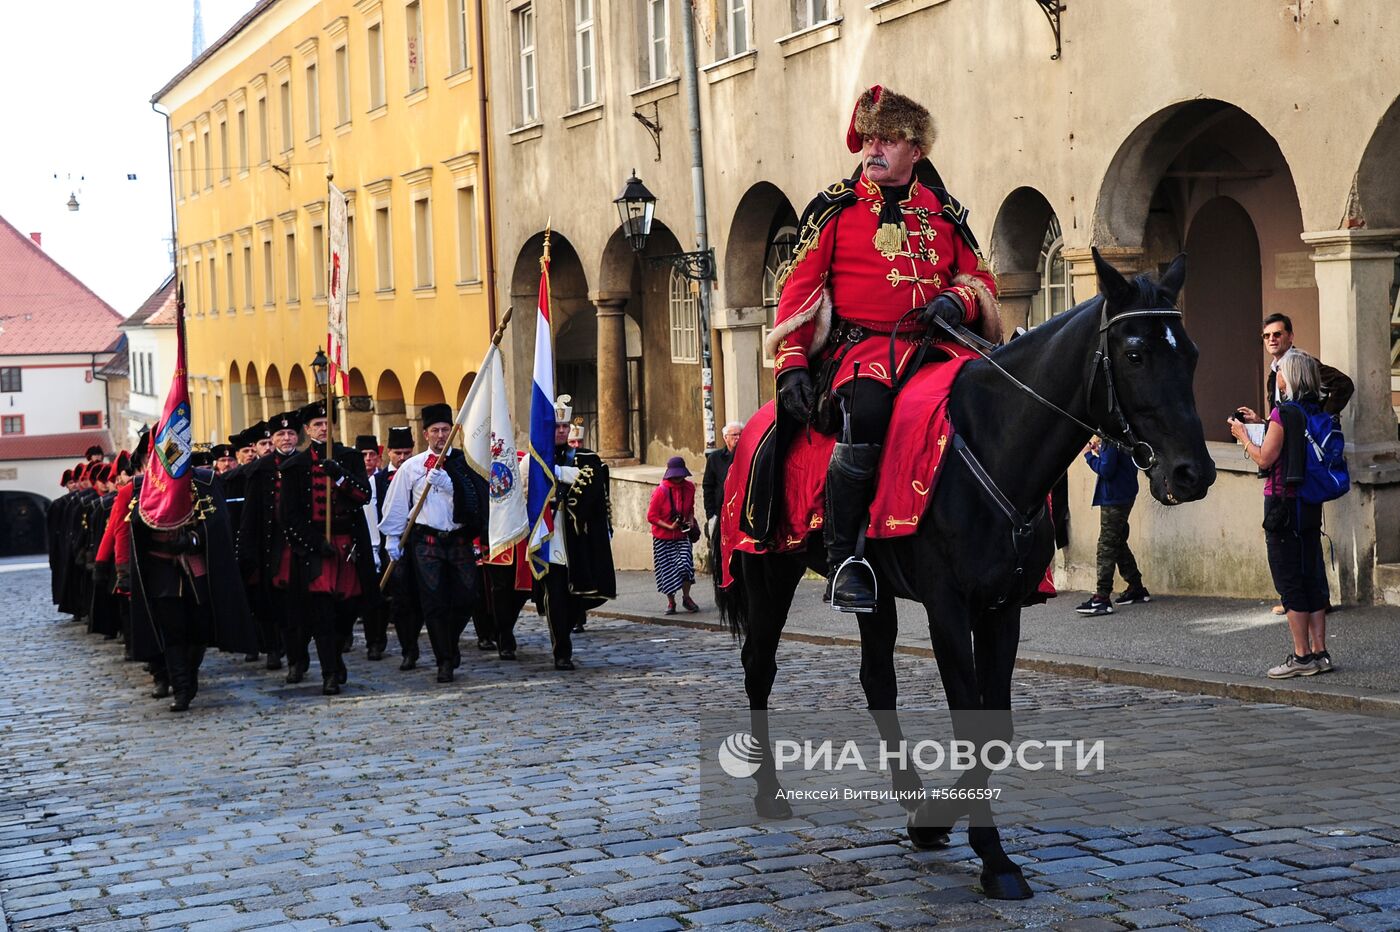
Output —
(880, 254)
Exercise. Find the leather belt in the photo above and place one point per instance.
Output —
(850, 332)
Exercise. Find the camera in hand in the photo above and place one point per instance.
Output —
(1237, 415)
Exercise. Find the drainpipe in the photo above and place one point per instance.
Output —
(487, 206)
(691, 84)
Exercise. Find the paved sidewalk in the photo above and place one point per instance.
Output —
(1215, 646)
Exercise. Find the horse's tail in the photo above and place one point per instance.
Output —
(733, 607)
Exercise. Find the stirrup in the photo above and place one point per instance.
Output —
(874, 585)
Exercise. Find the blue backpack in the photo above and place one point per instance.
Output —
(1326, 477)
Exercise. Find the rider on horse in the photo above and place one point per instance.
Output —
(844, 311)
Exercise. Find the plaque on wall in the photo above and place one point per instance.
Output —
(1293, 270)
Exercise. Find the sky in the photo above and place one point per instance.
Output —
(77, 79)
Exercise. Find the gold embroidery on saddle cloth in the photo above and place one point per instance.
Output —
(892, 522)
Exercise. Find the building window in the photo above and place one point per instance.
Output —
(457, 33)
(228, 278)
(342, 85)
(807, 13)
(657, 27)
(467, 257)
(197, 292)
(293, 285)
(313, 102)
(383, 250)
(526, 104)
(179, 172)
(89, 420)
(248, 277)
(263, 154)
(1054, 296)
(685, 312)
(284, 97)
(422, 243)
(11, 380)
(208, 163)
(733, 33)
(376, 66)
(213, 286)
(318, 260)
(585, 55)
(413, 15)
(223, 150)
(269, 290)
(352, 282)
(242, 140)
(775, 262)
(12, 424)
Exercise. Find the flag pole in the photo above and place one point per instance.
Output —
(437, 464)
(330, 388)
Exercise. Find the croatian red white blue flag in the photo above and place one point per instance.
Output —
(540, 484)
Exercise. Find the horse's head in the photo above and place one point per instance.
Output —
(1153, 360)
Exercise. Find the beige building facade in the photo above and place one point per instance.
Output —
(1258, 136)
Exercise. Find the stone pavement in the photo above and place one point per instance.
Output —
(521, 797)
(1216, 646)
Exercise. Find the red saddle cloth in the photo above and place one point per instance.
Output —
(910, 463)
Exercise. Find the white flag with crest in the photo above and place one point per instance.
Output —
(488, 439)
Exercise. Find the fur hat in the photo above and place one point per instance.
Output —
(366, 442)
(436, 414)
(884, 113)
(67, 477)
(400, 438)
(221, 450)
(287, 420)
(124, 462)
(309, 413)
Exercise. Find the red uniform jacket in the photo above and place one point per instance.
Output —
(839, 272)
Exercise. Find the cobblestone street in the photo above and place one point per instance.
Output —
(520, 796)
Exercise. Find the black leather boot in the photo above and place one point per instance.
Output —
(177, 662)
(850, 485)
(196, 658)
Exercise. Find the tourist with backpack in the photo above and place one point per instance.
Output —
(1301, 458)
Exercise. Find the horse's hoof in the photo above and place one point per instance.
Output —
(1006, 885)
(909, 788)
(925, 838)
(771, 806)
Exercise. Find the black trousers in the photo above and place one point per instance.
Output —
(444, 571)
(290, 610)
(563, 610)
(265, 620)
(178, 618)
(403, 608)
(504, 603)
(374, 615)
(483, 620)
(322, 627)
(870, 406)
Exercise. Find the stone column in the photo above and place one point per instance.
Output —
(272, 402)
(1354, 271)
(741, 355)
(1015, 291)
(1084, 277)
(612, 376)
(253, 404)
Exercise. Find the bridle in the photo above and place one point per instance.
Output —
(1141, 452)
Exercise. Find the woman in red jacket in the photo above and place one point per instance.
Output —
(672, 516)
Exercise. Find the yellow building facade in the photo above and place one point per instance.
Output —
(384, 96)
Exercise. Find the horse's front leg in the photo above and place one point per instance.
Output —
(768, 586)
(998, 636)
(878, 633)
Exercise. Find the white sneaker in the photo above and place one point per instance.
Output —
(1294, 666)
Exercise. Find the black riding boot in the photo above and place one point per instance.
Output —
(850, 485)
(177, 663)
(196, 658)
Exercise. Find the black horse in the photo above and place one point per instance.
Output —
(1119, 365)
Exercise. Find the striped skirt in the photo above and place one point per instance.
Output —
(675, 564)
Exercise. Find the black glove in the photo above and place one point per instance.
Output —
(333, 469)
(121, 585)
(184, 542)
(796, 393)
(946, 308)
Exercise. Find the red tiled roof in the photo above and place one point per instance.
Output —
(54, 446)
(119, 367)
(49, 310)
(158, 310)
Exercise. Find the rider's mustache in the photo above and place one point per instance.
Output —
(876, 161)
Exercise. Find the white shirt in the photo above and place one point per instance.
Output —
(372, 518)
(405, 488)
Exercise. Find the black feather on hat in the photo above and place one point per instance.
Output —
(436, 414)
(400, 438)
